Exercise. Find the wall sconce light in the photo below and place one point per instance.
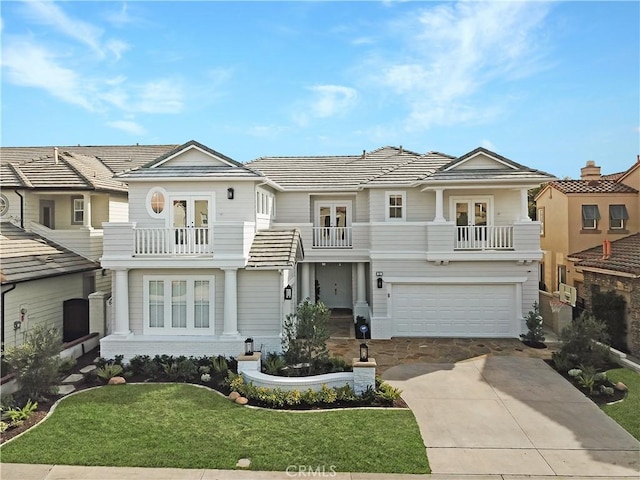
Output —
(230, 193)
(248, 346)
(379, 282)
(364, 352)
(288, 292)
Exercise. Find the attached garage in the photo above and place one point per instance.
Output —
(454, 310)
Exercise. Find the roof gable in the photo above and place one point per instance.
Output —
(193, 154)
(482, 159)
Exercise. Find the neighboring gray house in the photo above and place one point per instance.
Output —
(417, 244)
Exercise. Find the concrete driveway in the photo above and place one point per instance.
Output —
(512, 415)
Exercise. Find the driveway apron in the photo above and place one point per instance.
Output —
(511, 415)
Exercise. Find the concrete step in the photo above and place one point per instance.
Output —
(73, 379)
(66, 389)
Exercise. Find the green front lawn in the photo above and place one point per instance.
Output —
(627, 412)
(183, 426)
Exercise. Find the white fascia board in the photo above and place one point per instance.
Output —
(495, 255)
(605, 271)
(157, 179)
(407, 255)
(270, 183)
(479, 184)
(193, 147)
(456, 280)
(484, 154)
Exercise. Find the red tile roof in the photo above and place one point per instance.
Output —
(625, 256)
(592, 186)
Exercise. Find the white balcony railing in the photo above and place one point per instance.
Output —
(173, 241)
(483, 237)
(332, 237)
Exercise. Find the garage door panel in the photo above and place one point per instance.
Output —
(454, 310)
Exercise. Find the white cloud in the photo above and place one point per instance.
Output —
(458, 50)
(331, 100)
(30, 65)
(117, 48)
(266, 131)
(128, 126)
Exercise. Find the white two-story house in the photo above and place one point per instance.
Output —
(216, 251)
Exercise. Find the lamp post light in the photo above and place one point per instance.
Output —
(248, 346)
(364, 352)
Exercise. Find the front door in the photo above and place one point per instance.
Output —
(190, 221)
(334, 282)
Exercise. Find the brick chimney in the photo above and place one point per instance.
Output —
(590, 172)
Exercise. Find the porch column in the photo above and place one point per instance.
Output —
(230, 302)
(439, 205)
(305, 282)
(361, 291)
(524, 205)
(121, 300)
(86, 199)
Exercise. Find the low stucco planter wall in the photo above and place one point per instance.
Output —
(315, 382)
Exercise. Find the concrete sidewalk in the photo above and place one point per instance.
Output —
(512, 415)
(62, 472)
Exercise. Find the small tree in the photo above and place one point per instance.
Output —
(305, 334)
(534, 325)
(579, 342)
(36, 362)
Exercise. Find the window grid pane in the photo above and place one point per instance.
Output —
(156, 303)
(201, 304)
(395, 206)
(179, 304)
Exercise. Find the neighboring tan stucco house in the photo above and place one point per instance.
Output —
(618, 271)
(580, 214)
(62, 195)
(417, 244)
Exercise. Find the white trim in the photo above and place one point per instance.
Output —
(471, 200)
(403, 207)
(484, 154)
(333, 204)
(4, 208)
(194, 147)
(452, 280)
(167, 329)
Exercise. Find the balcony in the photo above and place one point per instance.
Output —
(173, 241)
(85, 241)
(332, 237)
(483, 237)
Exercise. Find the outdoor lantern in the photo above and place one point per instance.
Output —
(248, 346)
(288, 292)
(379, 282)
(230, 193)
(364, 352)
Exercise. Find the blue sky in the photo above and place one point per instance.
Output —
(549, 85)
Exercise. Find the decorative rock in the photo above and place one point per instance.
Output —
(243, 463)
(117, 381)
(233, 396)
(621, 386)
(241, 401)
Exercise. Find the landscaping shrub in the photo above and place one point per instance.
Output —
(579, 346)
(534, 326)
(305, 335)
(36, 362)
(108, 371)
(273, 363)
(609, 308)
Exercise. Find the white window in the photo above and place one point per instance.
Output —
(78, 211)
(590, 217)
(265, 204)
(618, 217)
(396, 204)
(541, 220)
(156, 202)
(179, 305)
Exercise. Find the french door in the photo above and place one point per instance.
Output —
(189, 222)
(333, 224)
(472, 217)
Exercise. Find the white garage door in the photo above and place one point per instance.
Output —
(454, 310)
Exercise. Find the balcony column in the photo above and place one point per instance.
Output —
(86, 199)
(121, 300)
(230, 327)
(305, 282)
(524, 205)
(439, 206)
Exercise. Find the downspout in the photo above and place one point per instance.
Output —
(21, 226)
(13, 287)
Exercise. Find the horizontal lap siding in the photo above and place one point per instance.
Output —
(398, 237)
(259, 294)
(43, 300)
(118, 209)
(293, 207)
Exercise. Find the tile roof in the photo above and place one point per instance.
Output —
(79, 168)
(275, 249)
(25, 256)
(187, 145)
(384, 166)
(193, 171)
(625, 256)
(592, 186)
